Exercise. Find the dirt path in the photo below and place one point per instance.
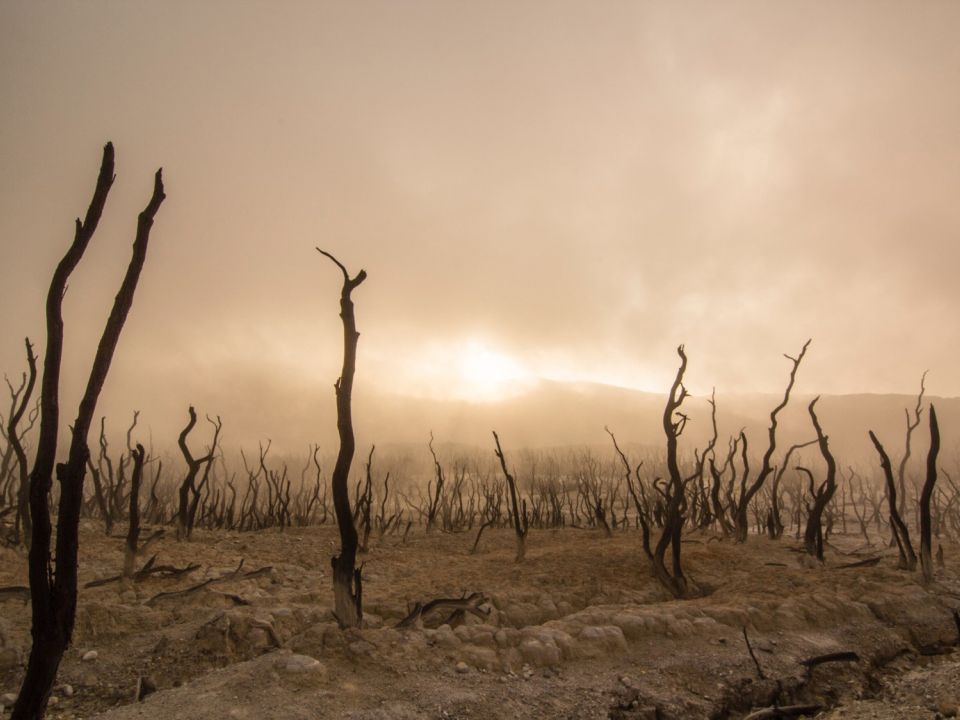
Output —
(579, 630)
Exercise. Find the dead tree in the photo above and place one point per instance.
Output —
(22, 526)
(774, 521)
(186, 508)
(132, 548)
(742, 522)
(366, 501)
(901, 535)
(912, 424)
(347, 581)
(926, 559)
(53, 577)
(813, 537)
(670, 536)
(520, 522)
(433, 503)
(642, 511)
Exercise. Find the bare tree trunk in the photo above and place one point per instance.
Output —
(23, 524)
(813, 537)
(347, 582)
(188, 484)
(747, 493)
(908, 558)
(670, 536)
(520, 526)
(53, 584)
(133, 531)
(926, 560)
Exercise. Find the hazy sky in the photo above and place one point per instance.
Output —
(536, 189)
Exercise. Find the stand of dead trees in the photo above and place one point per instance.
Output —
(53, 577)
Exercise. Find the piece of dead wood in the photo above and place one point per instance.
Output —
(238, 575)
(148, 569)
(145, 686)
(846, 656)
(15, 591)
(784, 711)
(776, 564)
(869, 562)
(752, 655)
(462, 605)
(178, 593)
(233, 597)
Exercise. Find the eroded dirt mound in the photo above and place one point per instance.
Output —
(578, 630)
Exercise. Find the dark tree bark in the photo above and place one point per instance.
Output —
(670, 535)
(520, 524)
(642, 511)
(53, 582)
(347, 581)
(908, 558)
(133, 530)
(188, 485)
(774, 521)
(926, 558)
(742, 524)
(433, 503)
(912, 424)
(813, 537)
(23, 524)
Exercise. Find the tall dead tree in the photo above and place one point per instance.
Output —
(813, 536)
(912, 424)
(185, 509)
(518, 510)
(901, 535)
(741, 518)
(347, 581)
(670, 536)
(53, 577)
(926, 559)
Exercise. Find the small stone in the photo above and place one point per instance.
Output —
(67, 690)
(302, 664)
(7, 700)
(89, 655)
(361, 648)
(462, 667)
(53, 700)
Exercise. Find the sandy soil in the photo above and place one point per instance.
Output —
(578, 630)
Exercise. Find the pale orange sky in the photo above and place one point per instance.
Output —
(536, 189)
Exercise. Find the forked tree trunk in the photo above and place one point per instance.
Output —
(741, 525)
(23, 524)
(53, 579)
(347, 581)
(813, 536)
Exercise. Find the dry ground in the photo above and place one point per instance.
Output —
(578, 630)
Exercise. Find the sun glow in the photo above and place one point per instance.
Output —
(469, 369)
(485, 374)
